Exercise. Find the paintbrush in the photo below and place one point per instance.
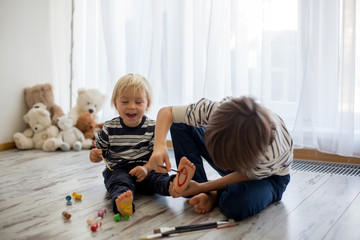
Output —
(200, 226)
(173, 231)
(102, 157)
(170, 169)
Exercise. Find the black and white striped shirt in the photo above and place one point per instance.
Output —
(279, 155)
(123, 145)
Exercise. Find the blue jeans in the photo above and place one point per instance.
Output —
(119, 181)
(237, 201)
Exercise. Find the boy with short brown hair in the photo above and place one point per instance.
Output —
(245, 142)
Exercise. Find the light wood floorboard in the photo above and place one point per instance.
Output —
(33, 186)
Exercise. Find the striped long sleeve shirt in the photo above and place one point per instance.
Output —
(124, 145)
(278, 156)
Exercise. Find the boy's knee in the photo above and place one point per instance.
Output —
(238, 203)
(234, 207)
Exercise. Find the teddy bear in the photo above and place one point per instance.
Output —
(41, 133)
(43, 93)
(70, 136)
(89, 100)
(89, 128)
(86, 125)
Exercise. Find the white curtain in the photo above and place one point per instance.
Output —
(328, 116)
(299, 58)
(59, 23)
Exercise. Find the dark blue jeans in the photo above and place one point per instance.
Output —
(119, 181)
(237, 201)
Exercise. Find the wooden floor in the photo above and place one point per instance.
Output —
(33, 186)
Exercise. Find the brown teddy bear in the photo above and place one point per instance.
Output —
(87, 125)
(43, 93)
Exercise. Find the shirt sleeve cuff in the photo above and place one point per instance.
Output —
(179, 114)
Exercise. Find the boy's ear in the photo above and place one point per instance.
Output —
(148, 105)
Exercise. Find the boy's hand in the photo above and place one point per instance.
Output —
(140, 172)
(95, 155)
(159, 157)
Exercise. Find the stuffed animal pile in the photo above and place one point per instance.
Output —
(49, 129)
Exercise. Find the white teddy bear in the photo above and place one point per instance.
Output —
(89, 100)
(70, 136)
(41, 131)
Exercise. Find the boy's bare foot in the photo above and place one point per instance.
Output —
(182, 179)
(204, 202)
(124, 203)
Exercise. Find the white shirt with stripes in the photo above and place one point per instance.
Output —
(124, 145)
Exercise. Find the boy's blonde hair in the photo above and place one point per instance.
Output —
(135, 82)
(238, 134)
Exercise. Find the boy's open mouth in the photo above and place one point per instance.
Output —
(131, 115)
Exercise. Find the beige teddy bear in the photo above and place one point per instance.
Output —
(41, 133)
(70, 136)
(89, 100)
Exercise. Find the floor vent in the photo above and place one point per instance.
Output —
(326, 167)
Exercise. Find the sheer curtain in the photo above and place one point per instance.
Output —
(329, 102)
(298, 58)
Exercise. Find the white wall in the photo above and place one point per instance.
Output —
(25, 58)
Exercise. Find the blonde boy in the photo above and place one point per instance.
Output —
(126, 143)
